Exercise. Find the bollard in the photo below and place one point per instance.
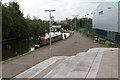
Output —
(96, 40)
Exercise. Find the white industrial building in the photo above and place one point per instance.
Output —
(106, 21)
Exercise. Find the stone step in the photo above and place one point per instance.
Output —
(48, 69)
(37, 69)
(83, 65)
(73, 67)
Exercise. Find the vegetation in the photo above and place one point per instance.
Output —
(14, 25)
(84, 30)
(104, 44)
(80, 23)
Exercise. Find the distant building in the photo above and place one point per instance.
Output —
(34, 17)
(28, 16)
(106, 21)
(64, 21)
(57, 21)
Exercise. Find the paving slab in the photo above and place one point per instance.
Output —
(33, 71)
(109, 65)
(48, 69)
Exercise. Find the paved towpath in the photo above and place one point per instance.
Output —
(77, 43)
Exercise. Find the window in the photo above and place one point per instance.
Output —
(101, 12)
(109, 7)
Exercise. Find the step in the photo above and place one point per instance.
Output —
(73, 67)
(37, 69)
(82, 65)
(48, 69)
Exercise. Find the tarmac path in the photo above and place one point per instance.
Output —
(75, 44)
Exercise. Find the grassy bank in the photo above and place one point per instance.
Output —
(14, 58)
(92, 37)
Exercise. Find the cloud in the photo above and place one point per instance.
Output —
(64, 8)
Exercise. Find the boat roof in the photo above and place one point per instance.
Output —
(52, 35)
(54, 26)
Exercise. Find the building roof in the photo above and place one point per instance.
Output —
(63, 21)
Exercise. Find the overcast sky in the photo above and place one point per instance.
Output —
(64, 8)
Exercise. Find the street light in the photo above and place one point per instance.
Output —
(91, 17)
(87, 18)
(75, 20)
(50, 28)
(82, 20)
(71, 24)
(91, 14)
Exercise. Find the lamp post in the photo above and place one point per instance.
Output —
(91, 14)
(50, 28)
(82, 21)
(87, 18)
(75, 20)
(71, 24)
(91, 17)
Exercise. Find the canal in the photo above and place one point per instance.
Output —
(17, 47)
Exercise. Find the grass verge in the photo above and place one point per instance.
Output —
(91, 36)
(16, 57)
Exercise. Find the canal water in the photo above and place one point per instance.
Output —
(17, 47)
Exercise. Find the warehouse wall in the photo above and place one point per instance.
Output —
(119, 16)
(108, 20)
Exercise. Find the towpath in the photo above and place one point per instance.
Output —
(75, 44)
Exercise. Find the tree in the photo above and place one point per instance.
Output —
(55, 23)
(16, 26)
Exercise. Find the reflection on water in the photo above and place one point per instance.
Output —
(32, 49)
(18, 47)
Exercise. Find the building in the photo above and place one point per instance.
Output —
(34, 17)
(64, 21)
(57, 21)
(106, 21)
